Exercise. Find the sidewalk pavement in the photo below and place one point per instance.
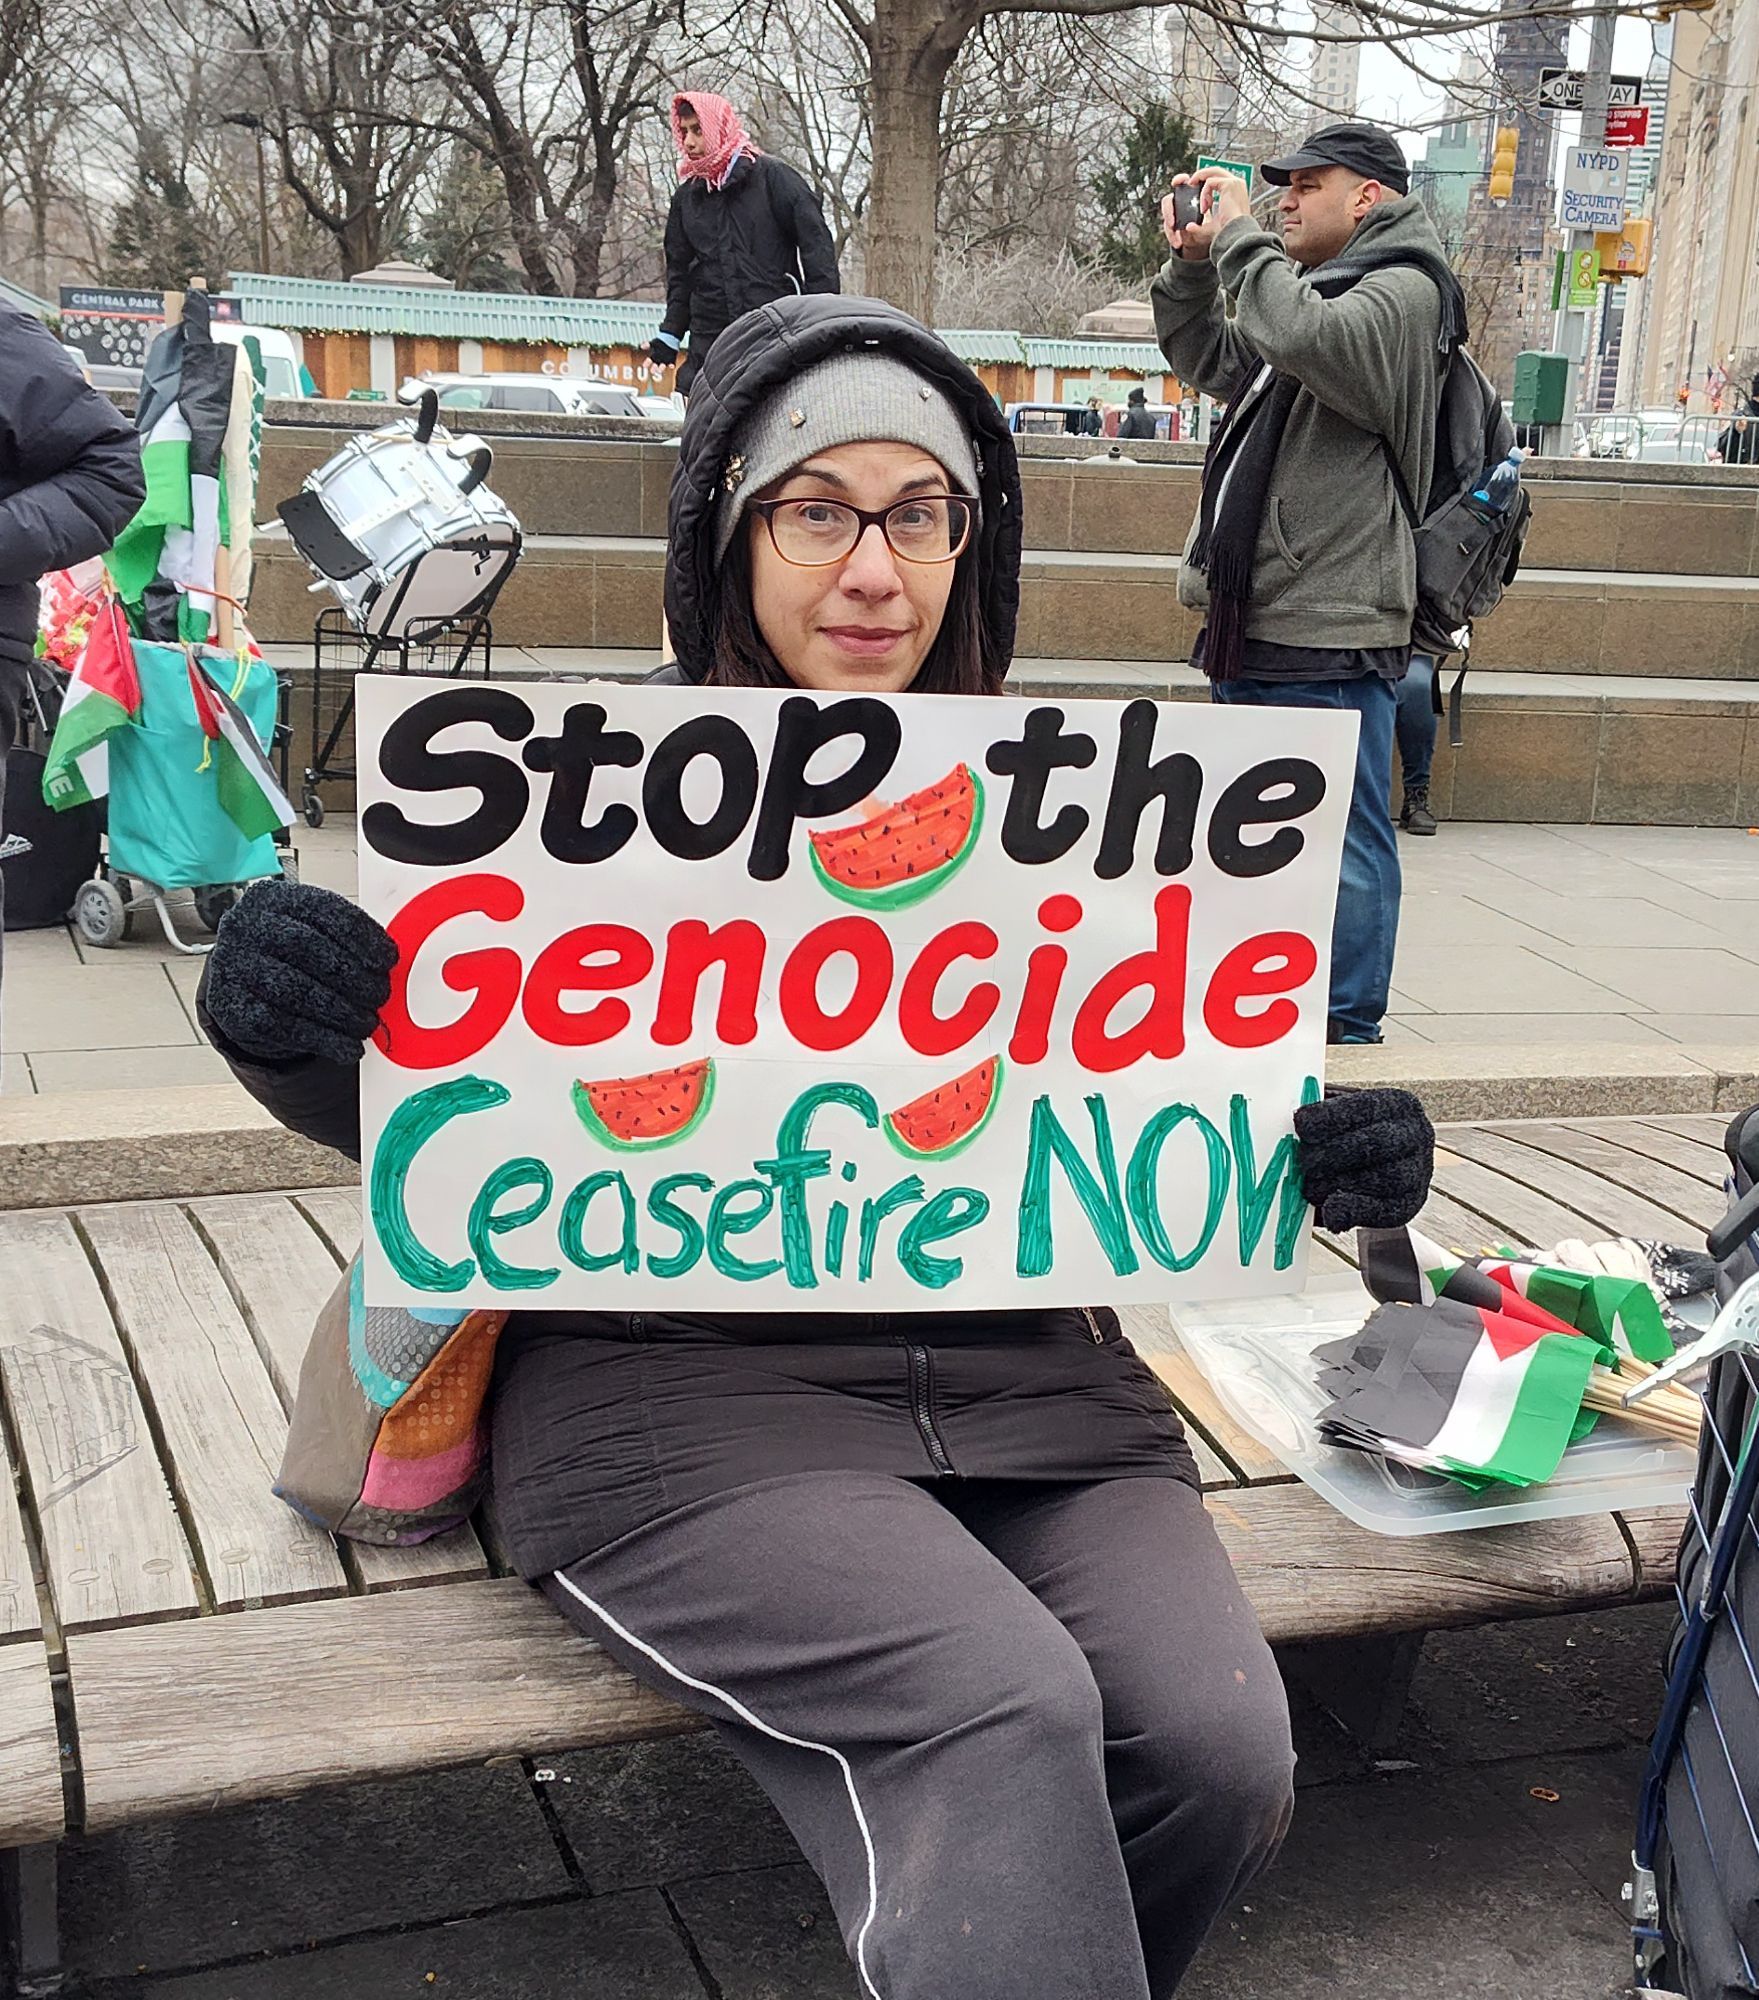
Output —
(1511, 937)
(1481, 1853)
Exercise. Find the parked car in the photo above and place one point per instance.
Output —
(283, 376)
(113, 375)
(550, 395)
(1045, 419)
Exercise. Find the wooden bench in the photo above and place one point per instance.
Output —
(174, 1639)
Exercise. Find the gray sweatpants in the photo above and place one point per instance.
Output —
(1029, 1735)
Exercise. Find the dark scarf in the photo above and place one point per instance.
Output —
(1243, 453)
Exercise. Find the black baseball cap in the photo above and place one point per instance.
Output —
(1364, 149)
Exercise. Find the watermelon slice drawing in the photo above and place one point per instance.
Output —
(632, 1114)
(905, 851)
(942, 1122)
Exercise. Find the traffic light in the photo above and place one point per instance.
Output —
(1502, 164)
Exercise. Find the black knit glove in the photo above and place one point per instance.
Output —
(1366, 1158)
(662, 353)
(298, 971)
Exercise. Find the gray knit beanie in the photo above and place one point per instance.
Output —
(850, 399)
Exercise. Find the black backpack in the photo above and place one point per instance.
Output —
(1467, 556)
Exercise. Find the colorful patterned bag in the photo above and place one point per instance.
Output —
(387, 1441)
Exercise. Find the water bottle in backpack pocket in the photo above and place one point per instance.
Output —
(1470, 534)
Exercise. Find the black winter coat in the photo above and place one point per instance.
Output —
(760, 236)
(70, 473)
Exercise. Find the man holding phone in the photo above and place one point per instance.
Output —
(1301, 556)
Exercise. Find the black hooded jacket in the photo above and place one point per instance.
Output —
(760, 236)
(70, 473)
(772, 345)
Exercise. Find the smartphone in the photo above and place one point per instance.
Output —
(1187, 205)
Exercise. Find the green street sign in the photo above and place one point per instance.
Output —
(1241, 167)
(1584, 277)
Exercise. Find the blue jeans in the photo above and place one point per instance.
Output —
(1416, 721)
(1367, 922)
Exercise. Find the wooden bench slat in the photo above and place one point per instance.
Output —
(191, 1717)
(281, 1269)
(1703, 1161)
(223, 1425)
(112, 1544)
(264, 1703)
(1312, 1574)
(1612, 1208)
(31, 1808)
(20, 1614)
(1151, 1331)
(1518, 1214)
(1709, 1126)
(1655, 1534)
(336, 1213)
(1685, 1199)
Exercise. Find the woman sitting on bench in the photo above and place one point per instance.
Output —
(942, 1580)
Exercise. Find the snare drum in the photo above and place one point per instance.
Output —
(401, 527)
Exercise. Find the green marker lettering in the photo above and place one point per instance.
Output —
(946, 1214)
(794, 1165)
(572, 1227)
(485, 1224)
(1254, 1192)
(1104, 1206)
(725, 1220)
(1142, 1181)
(663, 1209)
(406, 1131)
(899, 1195)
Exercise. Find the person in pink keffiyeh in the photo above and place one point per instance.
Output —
(744, 228)
(710, 135)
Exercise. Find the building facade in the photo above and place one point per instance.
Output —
(1334, 81)
(1703, 325)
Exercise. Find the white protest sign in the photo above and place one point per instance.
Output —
(1594, 187)
(779, 1002)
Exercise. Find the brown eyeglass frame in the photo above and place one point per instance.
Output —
(865, 518)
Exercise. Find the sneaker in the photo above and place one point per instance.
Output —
(1414, 814)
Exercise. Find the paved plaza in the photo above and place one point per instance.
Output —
(1512, 938)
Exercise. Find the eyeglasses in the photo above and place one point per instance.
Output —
(812, 534)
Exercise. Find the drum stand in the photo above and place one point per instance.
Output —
(423, 649)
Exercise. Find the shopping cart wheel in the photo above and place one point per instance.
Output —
(133, 894)
(312, 807)
(212, 904)
(98, 913)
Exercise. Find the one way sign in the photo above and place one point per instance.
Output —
(1562, 89)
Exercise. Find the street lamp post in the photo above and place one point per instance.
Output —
(254, 125)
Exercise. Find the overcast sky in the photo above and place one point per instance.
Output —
(1391, 95)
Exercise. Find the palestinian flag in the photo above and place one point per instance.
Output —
(165, 561)
(1623, 1312)
(1403, 1265)
(1475, 1395)
(103, 695)
(250, 794)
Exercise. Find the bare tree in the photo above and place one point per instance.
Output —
(333, 80)
(913, 45)
(548, 93)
